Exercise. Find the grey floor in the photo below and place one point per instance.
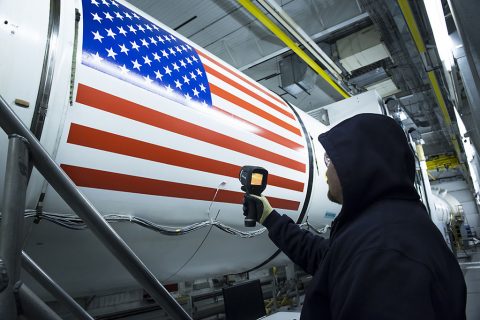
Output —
(471, 271)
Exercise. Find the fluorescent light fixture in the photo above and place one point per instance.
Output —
(439, 27)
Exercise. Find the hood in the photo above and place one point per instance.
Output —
(373, 161)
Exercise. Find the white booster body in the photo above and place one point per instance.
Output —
(153, 127)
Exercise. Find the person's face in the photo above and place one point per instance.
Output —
(334, 187)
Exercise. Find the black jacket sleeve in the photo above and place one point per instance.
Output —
(381, 284)
(301, 246)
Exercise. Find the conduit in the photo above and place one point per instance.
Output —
(257, 13)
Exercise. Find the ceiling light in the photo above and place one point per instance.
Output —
(439, 27)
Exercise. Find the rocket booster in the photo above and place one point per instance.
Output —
(153, 129)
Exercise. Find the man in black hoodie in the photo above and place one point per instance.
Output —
(385, 259)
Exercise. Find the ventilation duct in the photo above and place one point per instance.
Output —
(361, 49)
(296, 76)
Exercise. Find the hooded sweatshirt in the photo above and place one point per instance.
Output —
(385, 259)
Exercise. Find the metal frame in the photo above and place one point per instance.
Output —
(69, 192)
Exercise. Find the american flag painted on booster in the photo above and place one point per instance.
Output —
(148, 99)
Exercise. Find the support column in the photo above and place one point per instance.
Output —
(11, 227)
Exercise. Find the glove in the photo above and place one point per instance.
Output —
(261, 205)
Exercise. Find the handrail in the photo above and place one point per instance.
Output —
(69, 192)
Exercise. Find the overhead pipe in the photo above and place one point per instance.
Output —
(311, 47)
(420, 44)
(257, 13)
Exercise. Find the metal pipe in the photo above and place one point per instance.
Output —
(69, 192)
(257, 13)
(51, 286)
(11, 228)
(32, 307)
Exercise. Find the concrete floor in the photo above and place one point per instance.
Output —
(471, 271)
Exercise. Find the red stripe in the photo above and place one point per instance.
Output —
(97, 139)
(98, 179)
(252, 83)
(262, 132)
(254, 109)
(113, 104)
(246, 90)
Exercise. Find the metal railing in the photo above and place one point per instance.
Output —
(22, 145)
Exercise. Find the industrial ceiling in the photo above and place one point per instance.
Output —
(369, 41)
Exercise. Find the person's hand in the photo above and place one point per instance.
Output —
(261, 205)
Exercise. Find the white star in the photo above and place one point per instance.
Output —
(148, 27)
(127, 15)
(110, 33)
(136, 65)
(156, 56)
(97, 36)
(195, 92)
(97, 17)
(106, 3)
(119, 16)
(190, 48)
(200, 73)
(148, 80)
(186, 80)
(175, 66)
(183, 64)
(95, 2)
(146, 60)
(152, 40)
(169, 89)
(187, 96)
(111, 53)
(144, 43)
(165, 54)
(96, 58)
(178, 84)
(108, 16)
(122, 31)
(155, 27)
(124, 70)
(194, 59)
(114, 3)
(202, 87)
(173, 38)
(158, 75)
(132, 29)
(167, 38)
(172, 51)
(167, 70)
(160, 39)
(193, 76)
(189, 61)
(178, 49)
(124, 49)
(184, 48)
(135, 15)
(135, 45)
(139, 27)
(204, 104)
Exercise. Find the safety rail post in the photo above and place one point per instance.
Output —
(55, 290)
(69, 192)
(11, 228)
